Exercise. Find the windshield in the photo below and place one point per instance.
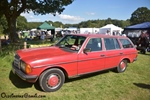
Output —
(71, 42)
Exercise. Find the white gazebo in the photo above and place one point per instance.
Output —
(112, 28)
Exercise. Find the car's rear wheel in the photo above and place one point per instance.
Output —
(51, 80)
(122, 66)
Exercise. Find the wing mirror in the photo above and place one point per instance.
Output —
(87, 50)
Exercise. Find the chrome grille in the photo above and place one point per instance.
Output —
(17, 61)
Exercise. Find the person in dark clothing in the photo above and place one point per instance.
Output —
(144, 41)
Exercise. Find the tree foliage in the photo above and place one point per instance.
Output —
(33, 25)
(99, 23)
(3, 25)
(57, 24)
(140, 15)
(12, 9)
(21, 23)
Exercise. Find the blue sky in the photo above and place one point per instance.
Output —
(83, 10)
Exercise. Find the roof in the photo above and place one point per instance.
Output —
(98, 35)
(141, 26)
(45, 26)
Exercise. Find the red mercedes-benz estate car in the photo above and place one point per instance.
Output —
(73, 55)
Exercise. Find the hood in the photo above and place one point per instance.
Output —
(40, 51)
(35, 56)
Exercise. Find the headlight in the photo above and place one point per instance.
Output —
(25, 67)
(22, 65)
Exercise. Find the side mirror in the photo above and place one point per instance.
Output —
(86, 50)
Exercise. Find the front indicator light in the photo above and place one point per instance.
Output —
(27, 69)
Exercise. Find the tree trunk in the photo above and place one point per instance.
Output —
(12, 29)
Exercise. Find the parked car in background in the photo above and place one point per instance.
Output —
(73, 55)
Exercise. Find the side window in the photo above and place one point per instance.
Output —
(95, 44)
(111, 43)
(126, 43)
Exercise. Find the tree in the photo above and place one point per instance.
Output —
(140, 15)
(3, 25)
(13, 8)
(108, 21)
(21, 23)
(125, 23)
(32, 25)
(58, 24)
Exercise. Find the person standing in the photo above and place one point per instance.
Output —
(108, 32)
(144, 41)
(42, 35)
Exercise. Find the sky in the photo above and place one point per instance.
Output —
(83, 10)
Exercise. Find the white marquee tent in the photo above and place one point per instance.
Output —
(112, 28)
(89, 30)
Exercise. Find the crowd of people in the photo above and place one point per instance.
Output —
(39, 34)
(114, 33)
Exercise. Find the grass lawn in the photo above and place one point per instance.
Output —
(133, 84)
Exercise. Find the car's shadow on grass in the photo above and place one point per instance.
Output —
(19, 83)
(87, 76)
(142, 85)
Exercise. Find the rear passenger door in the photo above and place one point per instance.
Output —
(113, 52)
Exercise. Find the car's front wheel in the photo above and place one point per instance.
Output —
(51, 80)
(122, 66)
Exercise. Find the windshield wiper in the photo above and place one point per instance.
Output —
(61, 46)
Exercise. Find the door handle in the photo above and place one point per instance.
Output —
(121, 53)
(102, 55)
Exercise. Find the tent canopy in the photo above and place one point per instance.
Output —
(46, 26)
(141, 26)
(112, 28)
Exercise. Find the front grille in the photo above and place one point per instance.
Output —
(17, 56)
(17, 61)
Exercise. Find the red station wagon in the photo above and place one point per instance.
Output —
(73, 55)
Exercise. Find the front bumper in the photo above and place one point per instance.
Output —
(23, 76)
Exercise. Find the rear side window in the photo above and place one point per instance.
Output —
(126, 43)
(111, 43)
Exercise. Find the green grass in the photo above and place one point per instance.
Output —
(133, 84)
